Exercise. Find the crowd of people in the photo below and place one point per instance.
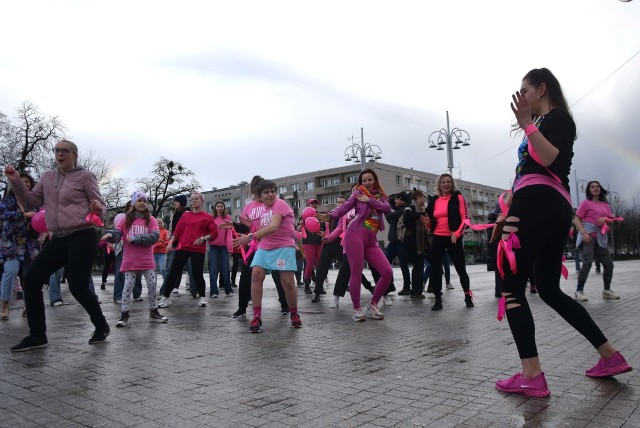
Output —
(425, 232)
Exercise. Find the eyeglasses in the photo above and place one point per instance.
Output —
(64, 150)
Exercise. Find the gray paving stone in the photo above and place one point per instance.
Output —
(415, 368)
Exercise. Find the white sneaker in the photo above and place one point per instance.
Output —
(139, 299)
(326, 282)
(164, 302)
(610, 294)
(386, 301)
(450, 287)
(334, 302)
(374, 312)
(580, 297)
(203, 302)
(358, 315)
(176, 292)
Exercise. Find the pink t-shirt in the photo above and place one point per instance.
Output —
(284, 236)
(223, 239)
(137, 257)
(591, 211)
(253, 210)
(440, 212)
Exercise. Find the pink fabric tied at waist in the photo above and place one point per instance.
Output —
(505, 249)
(95, 219)
(304, 232)
(503, 204)
(564, 270)
(477, 227)
(502, 308)
(605, 226)
(235, 235)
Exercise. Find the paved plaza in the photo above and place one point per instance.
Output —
(415, 368)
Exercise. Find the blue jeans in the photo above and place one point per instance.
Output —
(219, 262)
(446, 266)
(161, 263)
(427, 271)
(11, 269)
(54, 286)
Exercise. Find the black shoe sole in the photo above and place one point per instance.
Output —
(44, 345)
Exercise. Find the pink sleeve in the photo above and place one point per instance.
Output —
(335, 234)
(582, 209)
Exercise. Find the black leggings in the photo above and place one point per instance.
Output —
(543, 227)
(456, 251)
(180, 258)
(330, 251)
(244, 286)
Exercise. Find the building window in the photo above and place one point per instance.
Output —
(333, 200)
(282, 189)
(324, 183)
(352, 179)
(324, 201)
(238, 203)
(309, 185)
(295, 187)
(407, 182)
(336, 181)
(295, 203)
(398, 180)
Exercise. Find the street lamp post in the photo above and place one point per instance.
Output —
(446, 137)
(358, 153)
(615, 196)
(580, 182)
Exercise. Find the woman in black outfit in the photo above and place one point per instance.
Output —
(539, 218)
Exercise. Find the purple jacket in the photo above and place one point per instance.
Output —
(65, 197)
(363, 210)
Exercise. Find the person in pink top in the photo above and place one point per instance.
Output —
(194, 230)
(360, 243)
(446, 212)
(276, 252)
(592, 214)
(139, 232)
(219, 249)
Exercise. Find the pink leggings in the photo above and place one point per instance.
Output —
(360, 246)
(312, 257)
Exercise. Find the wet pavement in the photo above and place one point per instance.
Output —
(415, 368)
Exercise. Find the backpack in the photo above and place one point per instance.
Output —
(402, 228)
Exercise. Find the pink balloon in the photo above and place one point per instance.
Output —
(308, 212)
(38, 222)
(312, 224)
(119, 219)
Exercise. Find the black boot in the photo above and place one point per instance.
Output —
(468, 299)
(307, 288)
(316, 299)
(438, 305)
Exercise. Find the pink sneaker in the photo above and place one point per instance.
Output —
(614, 365)
(516, 384)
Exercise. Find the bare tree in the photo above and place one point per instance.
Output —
(116, 193)
(27, 140)
(167, 179)
(97, 165)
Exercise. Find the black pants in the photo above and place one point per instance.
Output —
(77, 251)
(330, 251)
(543, 226)
(109, 261)
(417, 273)
(456, 251)
(244, 286)
(342, 282)
(237, 261)
(180, 258)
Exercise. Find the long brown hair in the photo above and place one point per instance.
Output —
(376, 182)
(130, 215)
(215, 211)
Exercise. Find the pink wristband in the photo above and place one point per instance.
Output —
(530, 129)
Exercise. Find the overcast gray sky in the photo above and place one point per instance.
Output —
(231, 89)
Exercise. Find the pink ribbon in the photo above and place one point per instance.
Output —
(234, 234)
(605, 226)
(564, 270)
(478, 227)
(95, 219)
(505, 249)
(536, 158)
(502, 308)
(503, 204)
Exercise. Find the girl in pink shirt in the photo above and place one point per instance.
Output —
(219, 249)
(591, 216)
(276, 251)
(446, 211)
(139, 232)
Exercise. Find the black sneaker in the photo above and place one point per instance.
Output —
(31, 342)
(316, 299)
(100, 336)
(284, 311)
(404, 292)
(307, 290)
(240, 313)
(124, 320)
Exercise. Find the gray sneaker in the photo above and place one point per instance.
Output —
(610, 294)
(580, 297)
(155, 316)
